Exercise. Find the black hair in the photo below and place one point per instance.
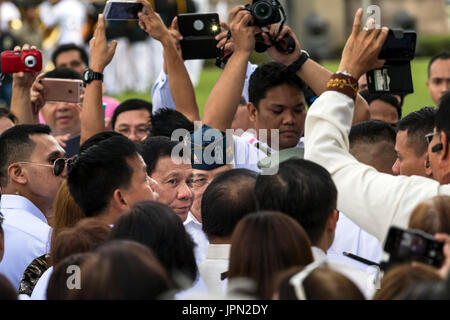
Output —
(418, 124)
(442, 121)
(228, 198)
(385, 97)
(165, 121)
(301, 189)
(370, 132)
(154, 148)
(98, 138)
(5, 113)
(16, 145)
(268, 76)
(69, 47)
(156, 226)
(441, 56)
(129, 105)
(63, 73)
(98, 171)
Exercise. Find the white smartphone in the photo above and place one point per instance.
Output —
(122, 10)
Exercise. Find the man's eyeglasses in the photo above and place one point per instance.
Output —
(58, 165)
(297, 280)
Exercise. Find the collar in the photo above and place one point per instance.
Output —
(14, 202)
(191, 219)
(318, 254)
(218, 251)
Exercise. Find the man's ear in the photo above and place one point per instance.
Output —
(427, 166)
(444, 156)
(119, 200)
(17, 173)
(252, 111)
(332, 220)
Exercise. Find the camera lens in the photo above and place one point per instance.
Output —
(199, 25)
(262, 11)
(30, 61)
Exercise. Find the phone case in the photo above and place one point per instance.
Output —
(122, 10)
(62, 90)
(392, 78)
(199, 32)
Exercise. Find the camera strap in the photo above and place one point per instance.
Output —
(222, 59)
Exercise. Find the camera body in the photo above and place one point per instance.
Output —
(264, 12)
(21, 61)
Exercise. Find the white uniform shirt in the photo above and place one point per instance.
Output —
(364, 281)
(351, 238)
(69, 15)
(194, 228)
(373, 200)
(26, 234)
(8, 12)
(211, 269)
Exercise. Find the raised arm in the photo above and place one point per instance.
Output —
(373, 200)
(101, 54)
(226, 94)
(179, 81)
(314, 75)
(21, 105)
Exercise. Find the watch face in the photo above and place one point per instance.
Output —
(86, 75)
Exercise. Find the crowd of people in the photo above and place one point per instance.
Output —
(258, 197)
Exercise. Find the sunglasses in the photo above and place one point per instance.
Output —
(58, 165)
(430, 137)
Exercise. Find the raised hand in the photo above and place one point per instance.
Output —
(362, 48)
(101, 53)
(151, 22)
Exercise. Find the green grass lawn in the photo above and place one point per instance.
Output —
(415, 101)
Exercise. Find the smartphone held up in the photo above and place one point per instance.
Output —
(122, 10)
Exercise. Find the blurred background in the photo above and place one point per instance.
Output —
(321, 25)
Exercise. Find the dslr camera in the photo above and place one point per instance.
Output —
(21, 61)
(265, 12)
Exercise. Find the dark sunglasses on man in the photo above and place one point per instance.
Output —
(58, 165)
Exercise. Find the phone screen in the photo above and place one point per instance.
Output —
(399, 45)
(122, 10)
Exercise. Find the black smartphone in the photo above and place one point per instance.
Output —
(399, 46)
(199, 31)
(406, 245)
(122, 10)
(391, 78)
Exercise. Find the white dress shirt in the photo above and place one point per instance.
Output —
(373, 200)
(351, 238)
(216, 262)
(26, 233)
(162, 97)
(69, 15)
(40, 289)
(194, 228)
(364, 281)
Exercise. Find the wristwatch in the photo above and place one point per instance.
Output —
(90, 76)
(294, 67)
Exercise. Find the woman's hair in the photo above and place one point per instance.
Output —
(66, 213)
(402, 278)
(322, 283)
(122, 270)
(264, 244)
(65, 273)
(85, 236)
(7, 290)
(155, 225)
(432, 216)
